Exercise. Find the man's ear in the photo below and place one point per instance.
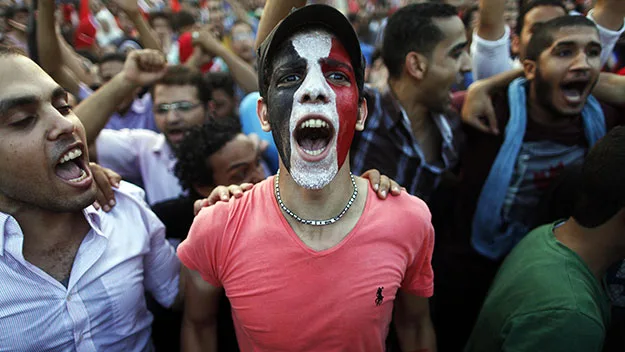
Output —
(263, 115)
(416, 65)
(515, 44)
(529, 67)
(362, 115)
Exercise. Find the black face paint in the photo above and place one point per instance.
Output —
(280, 99)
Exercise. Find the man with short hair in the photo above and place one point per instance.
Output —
(307, 258)
(81, 271)
(549, 293)
(492, 40)
(410, 134)
(550, 119)
(242, 41)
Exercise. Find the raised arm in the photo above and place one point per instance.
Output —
(240, 12)
(610, 88)
(199, 324)
(413, 324)
(242, 73)
(142, 68)
(49, 49)
(609, 16)
(492, 24)
(274, 12)
(147, 36)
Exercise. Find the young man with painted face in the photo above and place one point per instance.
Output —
(305, 258)
(82, 271)
(550, 120)
(549, 294)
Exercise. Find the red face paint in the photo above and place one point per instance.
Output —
(346, 98)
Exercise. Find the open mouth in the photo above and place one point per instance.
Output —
(574, 92)
(175, 135)
(71, 166)
(313, 136)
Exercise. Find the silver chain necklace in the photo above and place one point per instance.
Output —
(316, 222)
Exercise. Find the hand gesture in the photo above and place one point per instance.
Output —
(223, 194)
(144, 67)
(478, 110)
(207, 40)
(128, 6)
(105, 179)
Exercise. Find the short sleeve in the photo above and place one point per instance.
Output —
(419, 278)
(608, 39)
(553, 331)
(202, 251)
(490, 57)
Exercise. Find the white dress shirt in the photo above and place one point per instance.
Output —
(141, 155)
(103, 306)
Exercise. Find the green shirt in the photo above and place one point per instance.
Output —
(544, 298)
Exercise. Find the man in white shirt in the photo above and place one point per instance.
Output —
(493, 41)
(73, 278)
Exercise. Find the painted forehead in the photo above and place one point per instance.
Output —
(312, 46)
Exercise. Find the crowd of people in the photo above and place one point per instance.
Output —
(292, 175)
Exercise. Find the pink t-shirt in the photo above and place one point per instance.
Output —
(288, 297)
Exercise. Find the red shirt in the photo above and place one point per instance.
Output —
(288, 297)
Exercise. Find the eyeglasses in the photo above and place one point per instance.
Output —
(182, 106)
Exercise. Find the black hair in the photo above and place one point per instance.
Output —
(527, 6)
(602, 192)
(412, 28)
(180, 75)
(159, 14)
(267, 68)
(183, 19)
(88, 55)
(200, 142)
(467, 16)
(543, 37)
(112, 57)
(221, 80)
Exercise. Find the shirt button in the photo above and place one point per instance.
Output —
(69, 297)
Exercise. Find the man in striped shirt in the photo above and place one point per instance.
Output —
(73, 277)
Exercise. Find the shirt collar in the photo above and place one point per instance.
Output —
(161, 146)
(9, 225)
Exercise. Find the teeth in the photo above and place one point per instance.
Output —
(314, 152)
(313, 123)
(83, 175)
(71, 155)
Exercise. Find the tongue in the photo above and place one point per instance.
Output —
(572, 95)
(68, 170)
(313, 143)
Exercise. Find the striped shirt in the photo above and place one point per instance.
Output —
(103, 306)
(388, 144)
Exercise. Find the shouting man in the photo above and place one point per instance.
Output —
(307, 258)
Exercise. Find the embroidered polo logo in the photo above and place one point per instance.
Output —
(379, 298)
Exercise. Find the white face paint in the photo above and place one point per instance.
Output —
(313, 46)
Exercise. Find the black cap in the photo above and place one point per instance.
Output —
(321, 16)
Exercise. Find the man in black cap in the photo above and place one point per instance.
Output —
(311, 259)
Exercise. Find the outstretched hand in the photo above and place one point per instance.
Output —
(144, 67)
